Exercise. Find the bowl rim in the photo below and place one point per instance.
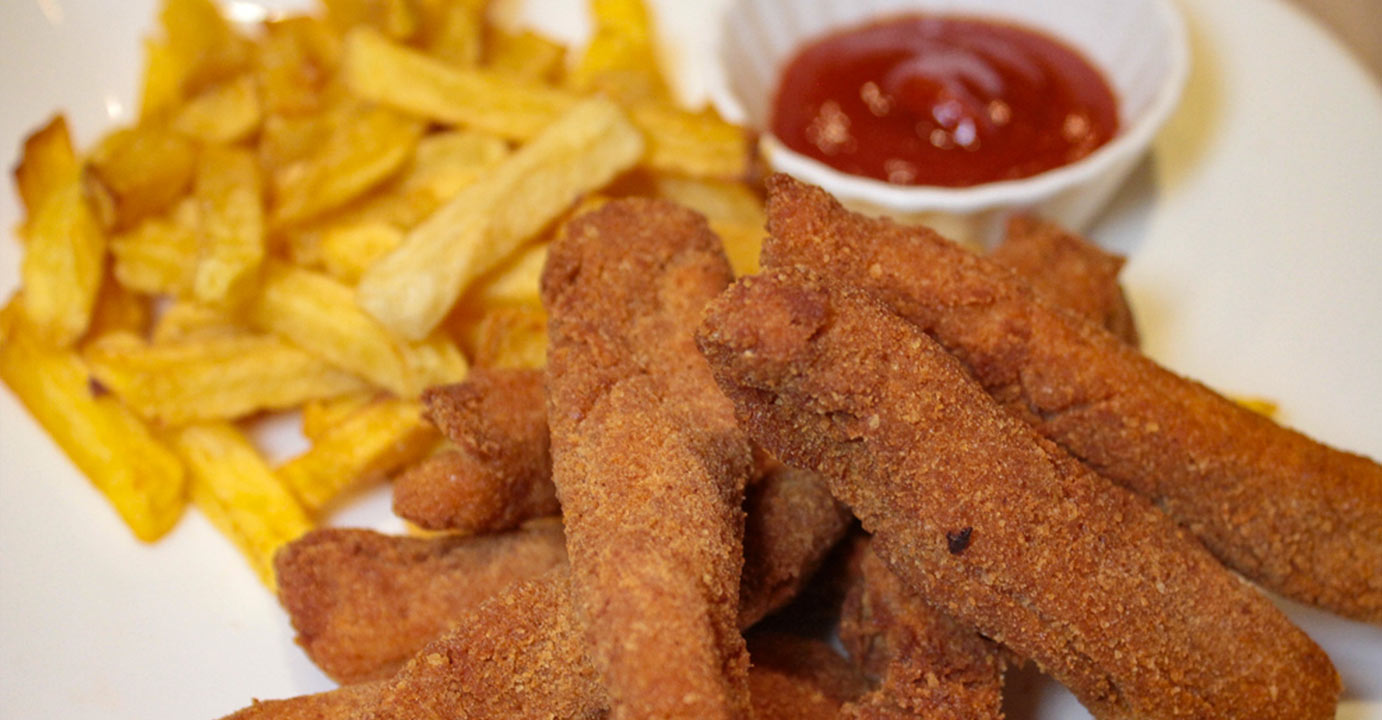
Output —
(1031, 190)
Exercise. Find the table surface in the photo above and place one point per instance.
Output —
(1358, 23)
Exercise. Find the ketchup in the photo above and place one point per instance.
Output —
(931, 100)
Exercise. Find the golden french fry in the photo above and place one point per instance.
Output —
(159, 255)
(46, 165)
(394, 18)
(232, 484)
(319, 314)
(347, 250)
(64, 245)
(525, 54)
(204, 45)
(367, 445)
(187, 319)
(453, 30)
(699, 144)
(381, 71)
(119, 309)
(413, 287)
(1260, 405)
(510, 337)
(145, 169)
(621, 59)
(363, 151)
(163, 80)
(320, 416)
(115, 450)
(516, 282)
(230, 197)
(212, 376)
(226, 113)
(295, 64)
(735, 213)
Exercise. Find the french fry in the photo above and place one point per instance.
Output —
(119, 309)
(413, 287)
(453, 30)
(145, 169)
(212, 376)
(525, 54)
(363, 151)
(510, 337)
(226, 113)
(159, 255)
(230, 197)
(394, 18)
(621, 59)
(64, 245)
(319, 416)
(142, 479)
(187, 319)
(734, 211)
(295, 65)
(319, 315)
(410, 81)
(699, 144)
(366, 445)
(164, 75)
(347, 250)
(516, 282)
(233, 486)
(203, 44)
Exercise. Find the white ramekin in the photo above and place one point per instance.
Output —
(1139, 45)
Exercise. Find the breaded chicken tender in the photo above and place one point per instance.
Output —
(1069, 272)
(362, 603)
(343, 702)
(997, 526)
(649, 463)
(522, 653)
(500, 473)
(1299, 517)
(928, 664)
(796, 678)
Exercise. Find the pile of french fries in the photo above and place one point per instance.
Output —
(325, 214)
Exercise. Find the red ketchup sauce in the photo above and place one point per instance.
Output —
(933, 100)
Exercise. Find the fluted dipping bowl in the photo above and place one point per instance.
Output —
(1138, 45)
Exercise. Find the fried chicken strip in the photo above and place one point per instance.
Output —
(1301, 518)
(362, 603)
(522, 653)
(796, 678)
(996, 525)
(500, 474)
(649, 463)
(343, 702)
(1069, 272)
(929, 665)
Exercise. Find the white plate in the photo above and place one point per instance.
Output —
(1256, 235)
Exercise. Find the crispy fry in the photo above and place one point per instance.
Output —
(227, 113)
(319, 314)
(204, 45)
(348, 250)
(145, 169)
(412, 288)
(513, 283)
(159, 255)
(230, 196)
(510, 337)
(238, 492)
(118, 309)
(976, 512)
(500, 474)
(319, 416)
(294, 68)
(363, 603)
(525, 54)
(64, 245)
(161, 91)
(735, 213)
(368, 445)
(208, 377)
(407, 80)
(186, 319)
(654, 529)
(142, 479)
(692, 143)
(363, 150)
(455, 30)
(621, 58)
(1229, 475)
